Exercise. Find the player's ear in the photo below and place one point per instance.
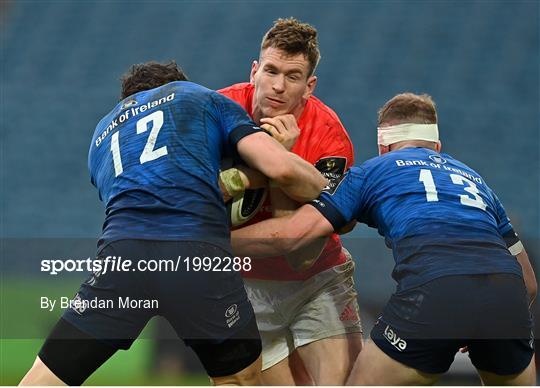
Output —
(438, 146)
(310, 88)
(254, 68)
(383, 149)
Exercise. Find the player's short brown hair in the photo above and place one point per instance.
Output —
(150, 75)
(294, 37)
(409, 108)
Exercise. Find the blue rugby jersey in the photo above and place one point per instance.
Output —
(437, 215)
(155, 161)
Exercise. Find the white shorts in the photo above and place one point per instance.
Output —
(291, 314)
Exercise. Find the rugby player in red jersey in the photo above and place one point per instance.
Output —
(308, 317)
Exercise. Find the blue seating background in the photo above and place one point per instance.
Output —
(61, 63)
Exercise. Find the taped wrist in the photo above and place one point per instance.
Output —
(232, 181)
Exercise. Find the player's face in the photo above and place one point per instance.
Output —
(282, 85)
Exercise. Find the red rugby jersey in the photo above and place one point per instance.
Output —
(324, 142)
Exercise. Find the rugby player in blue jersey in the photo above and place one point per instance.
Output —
(463, 276)
(155, 161)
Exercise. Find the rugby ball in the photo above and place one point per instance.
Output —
(243, 208)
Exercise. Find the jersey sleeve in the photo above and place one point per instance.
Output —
(336, 155)
(342, 203)
(505, 227)
(233, 118)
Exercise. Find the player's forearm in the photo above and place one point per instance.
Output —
(528, 275)
(264, 239)
(301, 181)
(282, 205)
(303, 258)
(279, 236)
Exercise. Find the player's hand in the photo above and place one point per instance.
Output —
(283, 128)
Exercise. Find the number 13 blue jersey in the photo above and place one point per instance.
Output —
(437, 215)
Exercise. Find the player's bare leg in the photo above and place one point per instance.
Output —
(251, 375)
(374, 367)
(40, 374)
(289, 371)
(527, 377)
(299, 371)
(331, 370)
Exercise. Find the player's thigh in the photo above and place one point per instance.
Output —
(40, 374)
(414, 332)
(504, 361)
(331, 370)
(374, 367)
(299, 370)
(504, 345)
(336, 329)
(114, 305)
(97, 323)
(525, 377)
(288, 371)
(266, 298)
(68, 355)
(237, 357)
(210, 311)
(278, 374)
(326, 306)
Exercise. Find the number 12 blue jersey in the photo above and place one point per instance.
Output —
(437, 215)
(155, 161)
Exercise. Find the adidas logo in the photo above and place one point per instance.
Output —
(349, 314)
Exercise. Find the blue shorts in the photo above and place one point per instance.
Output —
(201, 306)
(425, 326)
